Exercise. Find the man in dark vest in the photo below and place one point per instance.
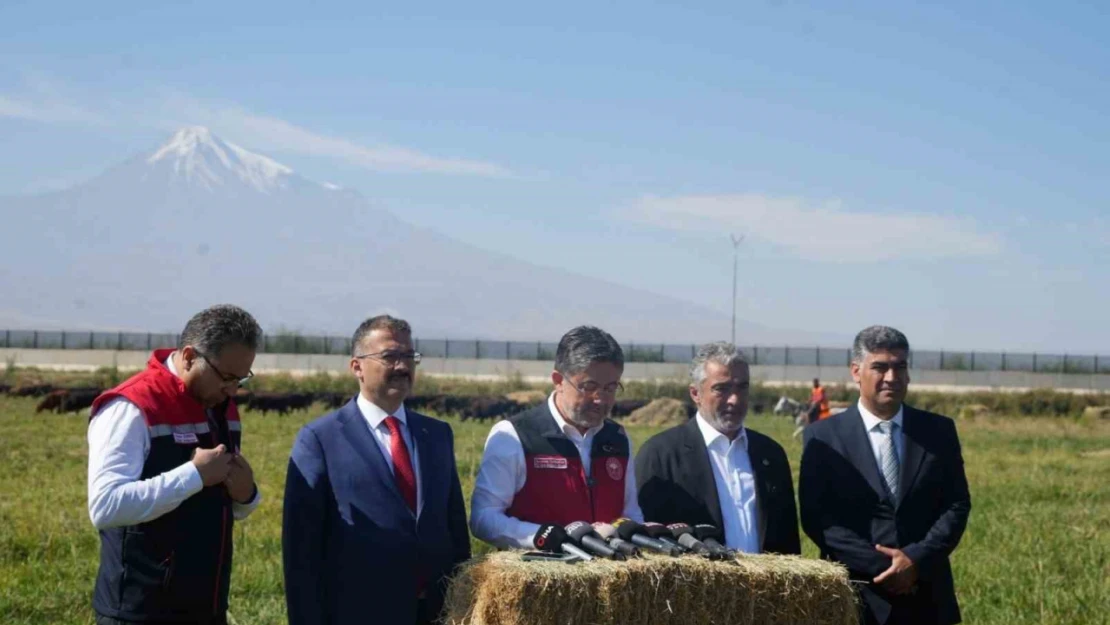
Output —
(167, 480)
(564, 460)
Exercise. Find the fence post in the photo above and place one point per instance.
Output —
(35, 340)
(662, 352)
(817, 351)
(119, 341)
(942, 360)
(1064, 367)
(92, 342)
(755, 354)
(508, 345)
(1034, 362)
(537, 350)
(1097, 370)
(693, 351)
(63, 339)
(848, 358)
(1003, 361)
(786, 355)
(148, 341)
(446, 348)
(972, 361)
(7, 338)
(327, 344)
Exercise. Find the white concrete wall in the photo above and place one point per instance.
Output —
(301, 364)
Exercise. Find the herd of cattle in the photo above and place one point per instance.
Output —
(64, 400)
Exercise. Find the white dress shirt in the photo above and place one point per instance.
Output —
(871, 423)
(502, 473)
(732, 471)
(119, 443)
(375, 419)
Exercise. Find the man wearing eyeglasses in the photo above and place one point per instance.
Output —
(166, 479)
(564, 460)
(714, 470)
(374, 518)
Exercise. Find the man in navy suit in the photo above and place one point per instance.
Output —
(374, 519)
(883, 491)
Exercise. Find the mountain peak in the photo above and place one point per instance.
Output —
(199, 157)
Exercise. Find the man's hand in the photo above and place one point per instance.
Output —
(901, 577)
(240, 479)
(212, 464)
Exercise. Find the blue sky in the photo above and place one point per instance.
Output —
(939, 168)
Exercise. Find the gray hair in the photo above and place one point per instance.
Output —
(721, 352)
(213, 329)
(380, 322)
(877, 338)
(582, 346)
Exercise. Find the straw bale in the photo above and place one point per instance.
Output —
(661, 411)
(502, 589)
(1096, 412)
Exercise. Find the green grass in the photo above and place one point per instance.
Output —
(1037, 549)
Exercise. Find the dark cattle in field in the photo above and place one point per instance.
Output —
(5, 389)
(490, 407)
(33, 390)
(281, 403)
(52, 402)
(332, 401)
(624, 407)
(77, 399)
(68, 400)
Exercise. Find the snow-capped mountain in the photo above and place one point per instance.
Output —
(201, 220)
(197, 157)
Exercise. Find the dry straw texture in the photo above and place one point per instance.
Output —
(662, 411)
(501, 589)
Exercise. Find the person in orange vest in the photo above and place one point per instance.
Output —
(818, 402)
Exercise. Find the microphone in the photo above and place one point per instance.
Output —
(554, 539)
(659, 531)
(635, 533)
(583, 533)
(712, 537)
(609, 533)
(684, 534)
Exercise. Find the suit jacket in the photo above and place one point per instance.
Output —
(676, 485)
(352, 549)
(846, 511)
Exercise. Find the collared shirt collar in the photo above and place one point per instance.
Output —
(565, 427)
(711, 435)
(375, 415)
(169, 365)
(870, 420)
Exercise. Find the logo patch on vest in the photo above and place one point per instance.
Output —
(184, 438)
(614, 469)
(549, 462)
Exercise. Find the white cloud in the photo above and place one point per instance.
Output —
(33, 107)
(822, 231)
(264, 132)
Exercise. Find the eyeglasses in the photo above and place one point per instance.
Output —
(391, 357)
(227, 379)
(592, 388)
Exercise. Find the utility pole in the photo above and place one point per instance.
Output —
(735, 250)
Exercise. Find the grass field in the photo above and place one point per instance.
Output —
(1037, 549)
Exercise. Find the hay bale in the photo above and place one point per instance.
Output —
(662, 411)
(501, 589)
(527, 398)
(1096, 412)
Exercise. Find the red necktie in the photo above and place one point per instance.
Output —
(402, 463)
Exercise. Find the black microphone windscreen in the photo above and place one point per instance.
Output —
(549, 538)
(680, 529)
(579, 530)
(627, 528)
(704, 530)
(657, 530)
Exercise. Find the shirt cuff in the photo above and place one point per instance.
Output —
(242, 510)
(187, 479)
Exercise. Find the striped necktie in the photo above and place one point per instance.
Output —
(888, 457)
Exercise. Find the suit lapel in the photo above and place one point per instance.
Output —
(358, 433)
(761, 467)
(858, 446)
(421, 440)
(914, 452)
(699, 473)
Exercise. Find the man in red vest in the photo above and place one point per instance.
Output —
(166, 479)
(564, 460)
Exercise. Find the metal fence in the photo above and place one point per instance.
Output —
(538, 350)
